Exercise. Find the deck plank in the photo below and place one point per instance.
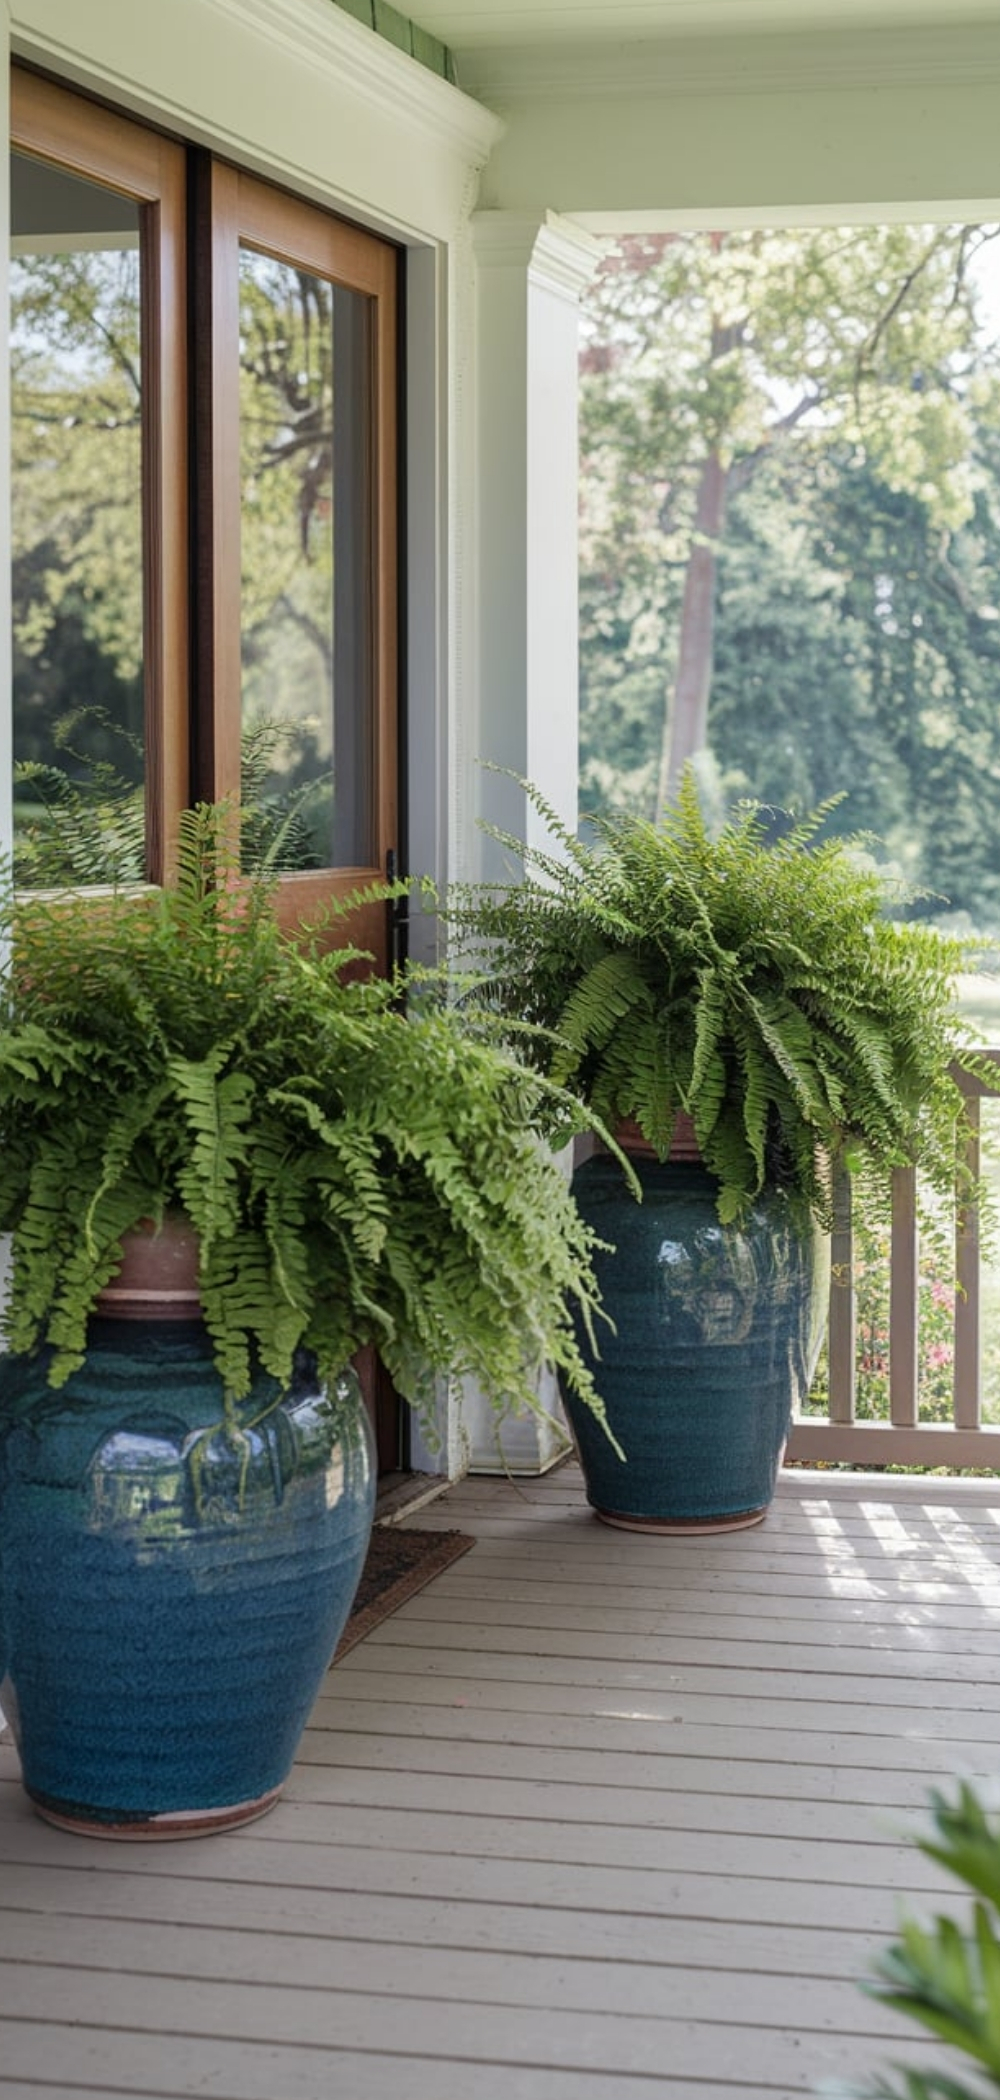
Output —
(635, 1775)
(564, 1828)
(593, 1665)
(61, 2061)
(553, 2038)
(383, 1918)
(452, 1625)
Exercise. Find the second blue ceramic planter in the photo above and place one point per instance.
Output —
(717, 1334)
(170, 1595)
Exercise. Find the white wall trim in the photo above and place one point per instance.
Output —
(317, 30)
(294, 89)
(370, 68)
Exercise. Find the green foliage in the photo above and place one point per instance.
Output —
(77, 578)
(355, 1174)
(753, 982)
(936, 1294)
(81, 822)
(946, 1979)
(857, 652)
(277, 809)
(80, 817)
(76, 420)
(844, 383)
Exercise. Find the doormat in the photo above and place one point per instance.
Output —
(399, 1563)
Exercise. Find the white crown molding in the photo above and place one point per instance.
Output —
(552, 250)
(565, 257)
(316, 33)
(373, 68)
(768, 63)
(505, 239)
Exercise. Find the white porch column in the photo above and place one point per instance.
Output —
(530, 272)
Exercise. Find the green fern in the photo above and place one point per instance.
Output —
(217, 1105)
(121, 1146)
(757, 1100)
(645, 1088)
(356, 1174)
(706, 1086)
(85, 822)
(945, 1977)
(758, 984)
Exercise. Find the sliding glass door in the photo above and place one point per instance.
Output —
(204, 490)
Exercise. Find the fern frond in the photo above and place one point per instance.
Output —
(217, 1105)
(138, 1116)
(608, 992)
(786, 1035)
(646, 1089)
(707, 1084)
(757, 1099)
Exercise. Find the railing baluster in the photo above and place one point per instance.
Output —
(842, 1343)
(904, 1439)
(903, 1300)
(968, 1373)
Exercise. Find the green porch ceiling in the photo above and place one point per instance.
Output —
(397, 28)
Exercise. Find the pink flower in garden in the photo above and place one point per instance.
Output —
(938, 1354)
(942, 1294)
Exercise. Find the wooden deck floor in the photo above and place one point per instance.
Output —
(595, 1817)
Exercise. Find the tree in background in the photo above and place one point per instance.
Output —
(76, 501)
(734, 388)
(851, 657)
(77, 579)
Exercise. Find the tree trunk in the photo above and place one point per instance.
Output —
(685, 729)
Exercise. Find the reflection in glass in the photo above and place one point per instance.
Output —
(305, 420)
(77, 530)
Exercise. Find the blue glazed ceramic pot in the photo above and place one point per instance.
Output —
(169, 1598)
(718, 1332)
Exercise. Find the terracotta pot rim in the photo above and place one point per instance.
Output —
(684, 1147)
(158, 1277)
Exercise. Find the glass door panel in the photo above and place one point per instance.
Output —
(77, 411)
(296, 497)
(99, 491)
(306, 567)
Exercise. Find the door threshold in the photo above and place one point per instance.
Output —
(402, 1494)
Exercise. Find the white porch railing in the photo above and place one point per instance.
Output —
(903, 1439)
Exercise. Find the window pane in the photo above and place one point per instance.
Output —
(77, 530)
(305, 410)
